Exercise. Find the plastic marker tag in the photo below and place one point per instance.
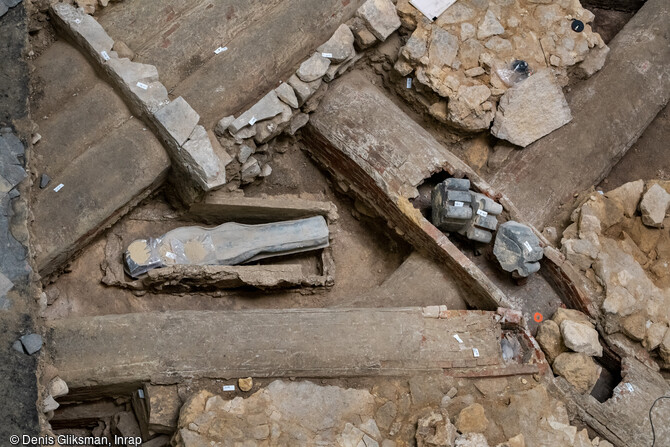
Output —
(475, 352)
(458, 204)
(458, 339)
(409, 82)
(482, 213)
(228, 387)
(142, 85)
(105, 56)
(527, 245)
(140, 393)
(220, 50)
(171, 255)
(252, 121)
(328, 55)
(59, 187)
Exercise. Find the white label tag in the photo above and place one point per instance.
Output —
(228, 387)
(409, 82)
(328, 55)
(475, 352)
(220, 50)
(458, 204)
(458, 339)
(142, 85)
(105, 56)
(527, 245)
(482, 213)
(140, 393)
(59, 187)
(252, 121)
(171, 255)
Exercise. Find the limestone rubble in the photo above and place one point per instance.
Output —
(622, 244)
(472, 45)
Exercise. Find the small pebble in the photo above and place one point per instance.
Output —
(44, 181)
(245, 384)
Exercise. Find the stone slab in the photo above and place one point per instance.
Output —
(167, 347)
(177, 120)
(99, 187)
(219, 207)
(79, 122)
(604, 125)
(363, 137)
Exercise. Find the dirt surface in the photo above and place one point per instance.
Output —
(608, 22)
(647, 159)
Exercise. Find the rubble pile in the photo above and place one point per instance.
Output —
(621, 241)
(570, 341)
(286, 108)
(466, 60)
(303, 413)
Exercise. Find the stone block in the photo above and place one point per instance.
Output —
(629, 194)
(380, 16)
(531, 109)
(340, 45)
(11, 166)
(562, 314)
(313, 68)
(177, 120)
(581, 338)
(593, 62)
(31, 343)
(550, 340)
(578, 369)
(472, 419)
(85, 29)
(303, 90)
(199, 159)
(58, 387)
(654, 205)
(268, 107)
(163, 404)
(5, 285)
(286, 93)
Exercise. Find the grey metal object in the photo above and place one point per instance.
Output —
(517, 249)
(227, 244)
(457, 209)
(451, 208)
